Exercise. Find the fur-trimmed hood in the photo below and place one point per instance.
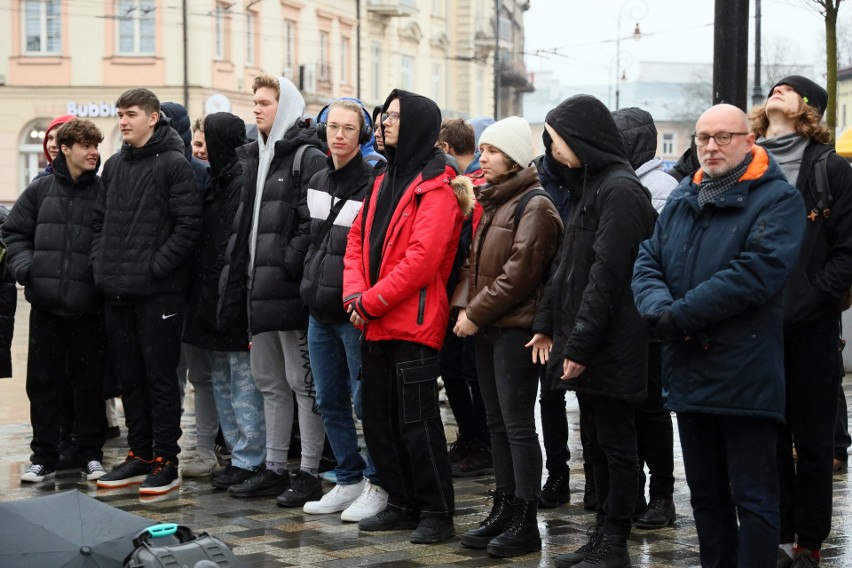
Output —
(463, 189)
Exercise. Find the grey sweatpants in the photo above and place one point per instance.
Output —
(281, 368)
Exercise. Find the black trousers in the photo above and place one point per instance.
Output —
(144, 338)
(554, 426)
(403, 428)
(655, 434)
(812, 378)
(609, 424)
(458, 370)
(66, 350)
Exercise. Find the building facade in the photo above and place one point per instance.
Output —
(75, 57)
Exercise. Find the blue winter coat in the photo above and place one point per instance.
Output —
(721, 270)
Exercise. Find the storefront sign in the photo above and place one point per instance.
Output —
(91, 110)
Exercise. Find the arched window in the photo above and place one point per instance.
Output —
(31, 151)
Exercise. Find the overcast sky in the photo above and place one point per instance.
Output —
(583, 34)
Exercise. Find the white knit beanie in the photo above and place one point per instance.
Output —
(513, 136)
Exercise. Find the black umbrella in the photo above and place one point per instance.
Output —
(66, 530)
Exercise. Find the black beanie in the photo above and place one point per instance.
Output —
(812, 93)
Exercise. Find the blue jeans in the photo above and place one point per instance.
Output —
(240, 407)
(335, 352)
(732, 473)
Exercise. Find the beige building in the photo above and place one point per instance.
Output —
(67, 57)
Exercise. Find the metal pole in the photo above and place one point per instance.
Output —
(757, 91)
(185, 59)
(358, 51)
(618, 60)
(730, 53)
(497, 6)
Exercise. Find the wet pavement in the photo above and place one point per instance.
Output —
(264, 535)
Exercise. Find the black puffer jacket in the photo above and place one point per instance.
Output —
(823, 272)
(283, 237)
(224, 133)
(147, 221)
(322, 283)
(49, 235)
(8, 307)
(588, 308)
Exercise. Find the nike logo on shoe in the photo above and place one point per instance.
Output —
(165, 317)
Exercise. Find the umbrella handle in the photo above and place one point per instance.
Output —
(181, 532)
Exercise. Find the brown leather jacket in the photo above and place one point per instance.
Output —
(502, 281)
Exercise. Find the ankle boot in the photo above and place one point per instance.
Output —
(521, 535)
(595, 534)
(611, 552)
(494, 524)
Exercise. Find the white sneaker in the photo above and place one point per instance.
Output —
(340, 497)
(37, 473)
(202, 464)
(372, 500)
(94, 470)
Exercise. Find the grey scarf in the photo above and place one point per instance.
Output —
(787, 151)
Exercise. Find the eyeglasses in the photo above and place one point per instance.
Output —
(721, 138)
(390, 117)
(349, 131)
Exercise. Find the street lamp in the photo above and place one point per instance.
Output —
(638, 9)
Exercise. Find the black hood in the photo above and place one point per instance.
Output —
(224, 133)
(178, 119)
(587, 127)
(164, 138)
(638, 133)
(419, 129)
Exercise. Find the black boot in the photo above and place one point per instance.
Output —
(569, 559)
(494, 524)
(556, 490)
(611, 552)
(659, 514)
(521, 535)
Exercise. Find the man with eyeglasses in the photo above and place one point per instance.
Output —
(399, 255)
(710, 284)
(335, 195)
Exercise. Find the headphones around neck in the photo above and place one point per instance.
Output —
(364, 134)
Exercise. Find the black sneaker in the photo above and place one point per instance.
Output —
(70, 458)
(37, 473)
(556, 490)
(431, 530)
(230, 475)
(477, 462)
(162, 479)
(262, 483)
(304, 487)
(458, 450)
(132, 471)
(388, 520)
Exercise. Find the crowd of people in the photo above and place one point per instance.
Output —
(305, 274)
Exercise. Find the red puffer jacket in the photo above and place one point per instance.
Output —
(409, 300)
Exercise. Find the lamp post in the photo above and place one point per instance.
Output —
(637, 9)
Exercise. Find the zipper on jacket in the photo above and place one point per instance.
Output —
(422, 307)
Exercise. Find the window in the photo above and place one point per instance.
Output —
(135, 26)
(344, 61)
(323, 74)
(289, 48)
(668, 144)
(249, 38)
(31, 152)
(439, 8)
(376, 64)
(407, 78)
(42, 26)
(436, 82)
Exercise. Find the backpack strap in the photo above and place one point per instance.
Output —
(820, 187)
(296, 171)
(525, 199)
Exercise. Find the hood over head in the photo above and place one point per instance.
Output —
(638, 133)
(291, 107)
(587, 127)
(224, 133)
(178, 119)
(55, 123)
(419, 128)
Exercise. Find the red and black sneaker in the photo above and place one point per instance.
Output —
(162, 479)
(130, 472)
